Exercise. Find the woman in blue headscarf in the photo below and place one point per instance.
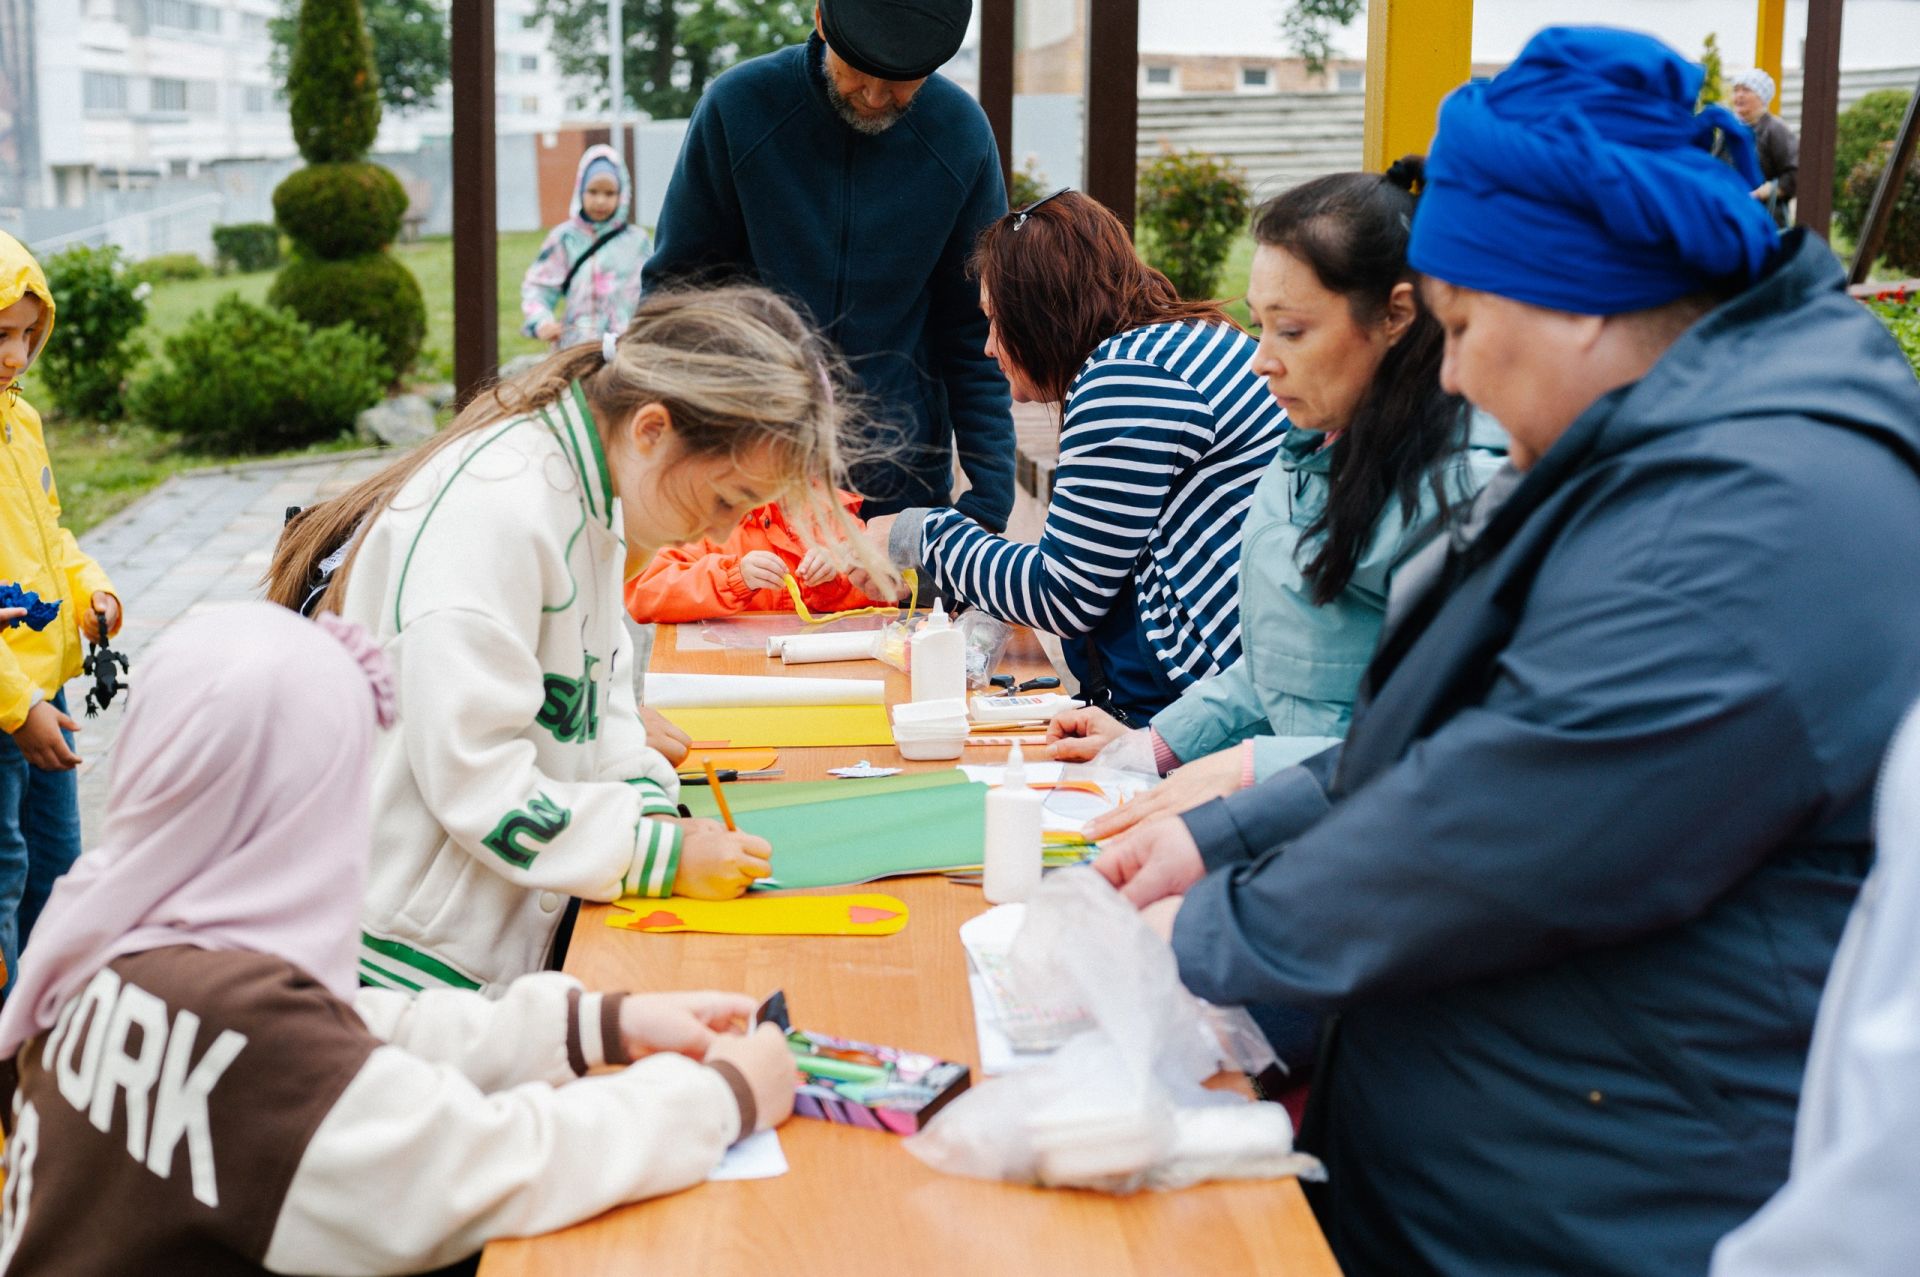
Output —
(586, 280)
(1573, 882)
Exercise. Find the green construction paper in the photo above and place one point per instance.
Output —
(839, 833)
(748, 795)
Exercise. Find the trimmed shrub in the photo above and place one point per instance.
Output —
(247, 246)
(98, 307)
(1862, 129)
(374, 293)
(332, 91)
(1901, 247)
(340, 210)
(248, 377)
(171, 266)
(1192, 207)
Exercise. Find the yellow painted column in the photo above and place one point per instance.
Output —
(1767, 46)
(1418, 51)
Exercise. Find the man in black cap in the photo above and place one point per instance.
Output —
(850, 176)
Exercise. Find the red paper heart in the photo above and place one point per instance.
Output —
(658, 918)
(860, 915)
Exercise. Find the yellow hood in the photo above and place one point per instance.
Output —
(20, 274)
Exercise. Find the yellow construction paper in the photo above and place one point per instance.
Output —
(784, 726)
(867, 914)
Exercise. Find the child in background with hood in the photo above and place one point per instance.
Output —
(591, 261)
(39, 795)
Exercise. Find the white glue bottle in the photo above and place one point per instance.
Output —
(1012, 857)
(937, 659)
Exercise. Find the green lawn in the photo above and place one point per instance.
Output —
(103, 469)
(430, 260)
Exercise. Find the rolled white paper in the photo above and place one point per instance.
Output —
(731, 691)
(809, 649)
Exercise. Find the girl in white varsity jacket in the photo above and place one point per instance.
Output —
(192, 1081)
(489, 565)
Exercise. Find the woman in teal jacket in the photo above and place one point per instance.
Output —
(1377, 458)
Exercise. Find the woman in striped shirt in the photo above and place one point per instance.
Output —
(1165, 431)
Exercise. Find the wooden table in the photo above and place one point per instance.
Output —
(854, 1201)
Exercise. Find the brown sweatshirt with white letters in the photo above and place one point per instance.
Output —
(222, 1113)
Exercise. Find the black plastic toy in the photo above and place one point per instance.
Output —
(106, 668)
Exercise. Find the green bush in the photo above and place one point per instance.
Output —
(171, 266)
(375, 293)
(1192, 207)
(247, 246)
(1863, 128)
(1028, 184)
(340, 210)
(1901, 247)
(98, 307)
(332, 90)
(248, 377)
(1900, 312)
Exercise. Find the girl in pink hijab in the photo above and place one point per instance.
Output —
(197, 1084)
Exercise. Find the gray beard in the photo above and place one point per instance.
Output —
(871, 125)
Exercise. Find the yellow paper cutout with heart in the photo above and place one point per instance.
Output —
(867, 914)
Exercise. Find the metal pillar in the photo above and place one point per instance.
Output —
(1819, 116)
(1418, 51)
(1769, 40)
(476, 245)
(1112, 126)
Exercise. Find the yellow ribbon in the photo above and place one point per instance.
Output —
(910, 576)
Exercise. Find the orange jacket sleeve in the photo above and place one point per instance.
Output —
(694, 582)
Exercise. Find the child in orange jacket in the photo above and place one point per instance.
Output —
(702, 579)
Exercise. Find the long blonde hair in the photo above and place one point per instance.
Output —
(738, 369)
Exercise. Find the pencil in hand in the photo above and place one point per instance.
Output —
(720, 796)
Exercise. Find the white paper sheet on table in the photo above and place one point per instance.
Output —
(755, 1157)
(1068, 810)
(731, 691)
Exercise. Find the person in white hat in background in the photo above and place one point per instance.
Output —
(1778, 145)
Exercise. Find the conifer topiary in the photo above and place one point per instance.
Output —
(342, 212)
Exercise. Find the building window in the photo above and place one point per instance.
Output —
(259, 99)
(104, 91)
(1350, 79)
(183, 15)
(166, 95)
(530, 62)
(1256, 79)
(253, 26)
(503, 64)
(1160, 77)
(529, 105)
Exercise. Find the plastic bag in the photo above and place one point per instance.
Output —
(985, 638)
(1121, 1105)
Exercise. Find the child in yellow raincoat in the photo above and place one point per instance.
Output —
(39, 796)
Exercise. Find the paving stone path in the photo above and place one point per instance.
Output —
(199, 540)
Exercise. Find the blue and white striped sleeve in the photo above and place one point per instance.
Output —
(1132, 429)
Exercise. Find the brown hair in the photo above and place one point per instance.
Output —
(736, 367)
(1063, 277)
